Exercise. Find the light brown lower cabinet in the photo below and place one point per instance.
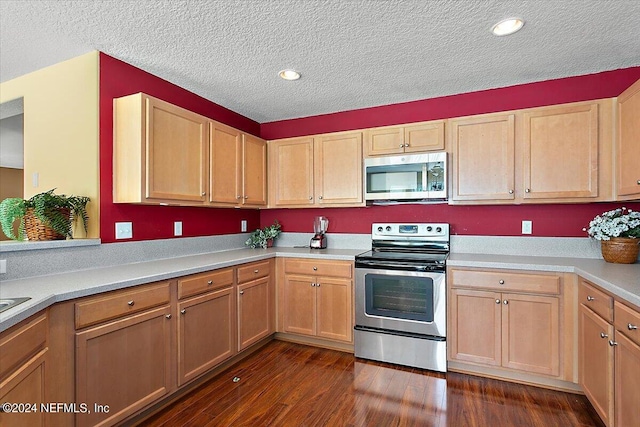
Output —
(205, 332)
(609, 356)
(254, 312)
(23, 366)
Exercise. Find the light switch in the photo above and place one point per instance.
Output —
(177, 228)
(527, 227)
(243, 225)
(35, 179)
(124, 230)
(3, 266)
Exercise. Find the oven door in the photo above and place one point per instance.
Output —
(404, 301)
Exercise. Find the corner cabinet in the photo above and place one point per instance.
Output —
(160, 152)
(509, 323)
(628, 144)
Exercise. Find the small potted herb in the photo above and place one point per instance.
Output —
(45, 216)
(263, 237)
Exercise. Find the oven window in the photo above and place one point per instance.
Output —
(400, 297)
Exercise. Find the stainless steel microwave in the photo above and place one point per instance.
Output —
(406, 177)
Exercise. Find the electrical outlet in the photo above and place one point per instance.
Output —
(527, 227)
(35, 179)
(177, 228)
(3, 266)
(243, 225)
(124, 230)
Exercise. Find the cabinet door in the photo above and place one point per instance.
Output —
(628, 179)
(475, 332)
(383, 141)
(627, 381)
(125, 364)
(299, 305)
(334, 309)
(530, 333)
(25, 385)
(424, 137)
(338, 169)
(561, 152)
(292, 170)
(595, 358)
(254, 171)
(205, 333)
(483, 157)
(176, 153)
(254, 313)
(225, 182)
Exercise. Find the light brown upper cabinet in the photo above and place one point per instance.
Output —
(324, 170)
(483, 157)
(160, 152)
(238, 165)
(628, 144)
(561, 153)
(427, 136)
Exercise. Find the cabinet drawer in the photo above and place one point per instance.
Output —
(19, 346)
(319, 268)
(596, 300)
(502, 281)
(253, 271)
(120, 304)
(627, 321)
(200, 283)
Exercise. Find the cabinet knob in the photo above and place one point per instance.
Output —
(406, 145)
(590, 298)
(318, 284)
(246, 197)
(313, 284)
(612, 343)
(131, 303)
(497, 301)
(401, 145)
(238, 197)
(510, 191)
(638, 182)
(310, 197)
(501, 282)
(505, 302)
(315, 268)
(210, 282)
(603, 335)
(183, 311)
(168, 316)
(203, 193)
(527, 190)
(631, 327)
(241, 292)
(320, 197)
(256, 271)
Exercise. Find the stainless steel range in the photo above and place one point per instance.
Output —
(401, 296)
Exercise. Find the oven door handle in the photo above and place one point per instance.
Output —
(396, 265)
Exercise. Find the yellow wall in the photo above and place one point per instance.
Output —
(61, 130)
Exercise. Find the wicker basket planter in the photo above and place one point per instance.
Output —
(37, 230)
(620, 250)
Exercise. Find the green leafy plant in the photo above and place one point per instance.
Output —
(54, 210)
(260, 237)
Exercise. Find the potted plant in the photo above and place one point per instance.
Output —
(263, 237)
(45, 216)
(619, 233)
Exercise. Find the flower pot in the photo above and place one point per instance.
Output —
(620, 250)
(269, 243)
(37, 230)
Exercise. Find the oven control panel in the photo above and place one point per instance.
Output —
(419, 230)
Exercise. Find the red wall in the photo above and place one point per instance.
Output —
(548, 220)
(156, 222)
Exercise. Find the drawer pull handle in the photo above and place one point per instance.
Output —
(497, 301)
(603, 335)
(131, 303)
(256, 271)
(612, 343)
(168, 316)
(241, 292)
(590, 298)
(183, 311)
(631, 327)
(501, 282)
(210, 282)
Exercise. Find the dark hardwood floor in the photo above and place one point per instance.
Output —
(287, 384)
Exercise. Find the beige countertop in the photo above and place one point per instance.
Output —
(620, 280)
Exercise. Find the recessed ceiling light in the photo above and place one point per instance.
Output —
(289, 74)
(507, 26)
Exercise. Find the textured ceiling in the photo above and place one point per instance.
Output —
(352, 54)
